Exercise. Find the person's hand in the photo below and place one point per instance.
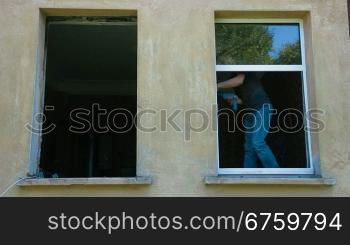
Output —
(230, 99)
(239, 100)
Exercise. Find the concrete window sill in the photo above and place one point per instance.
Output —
(269, 180)
(86, 181)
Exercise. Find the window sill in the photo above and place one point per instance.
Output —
(269, 180)
(86, 181)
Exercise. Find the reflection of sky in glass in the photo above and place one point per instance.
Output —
(282, 34)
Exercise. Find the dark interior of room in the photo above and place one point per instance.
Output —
(286, 93)
(90, 63)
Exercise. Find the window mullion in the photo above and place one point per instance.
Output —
(265, 68)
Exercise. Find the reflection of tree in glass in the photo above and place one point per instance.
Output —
(290, 54)
(243, 44)
(252, 44)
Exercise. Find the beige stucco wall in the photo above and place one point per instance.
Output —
(176, 69)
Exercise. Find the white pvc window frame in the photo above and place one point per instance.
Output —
(309, 170)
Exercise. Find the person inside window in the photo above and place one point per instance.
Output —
(256, 122)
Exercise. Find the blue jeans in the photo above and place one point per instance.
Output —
(257, 127)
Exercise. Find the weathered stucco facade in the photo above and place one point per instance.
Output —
(176, 54)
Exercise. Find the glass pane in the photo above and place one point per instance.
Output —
(257, 44)
(251, 140)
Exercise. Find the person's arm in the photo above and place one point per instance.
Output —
(233, 82)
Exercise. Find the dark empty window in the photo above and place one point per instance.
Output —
(90, 97)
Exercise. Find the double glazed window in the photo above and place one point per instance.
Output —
(272, 53)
